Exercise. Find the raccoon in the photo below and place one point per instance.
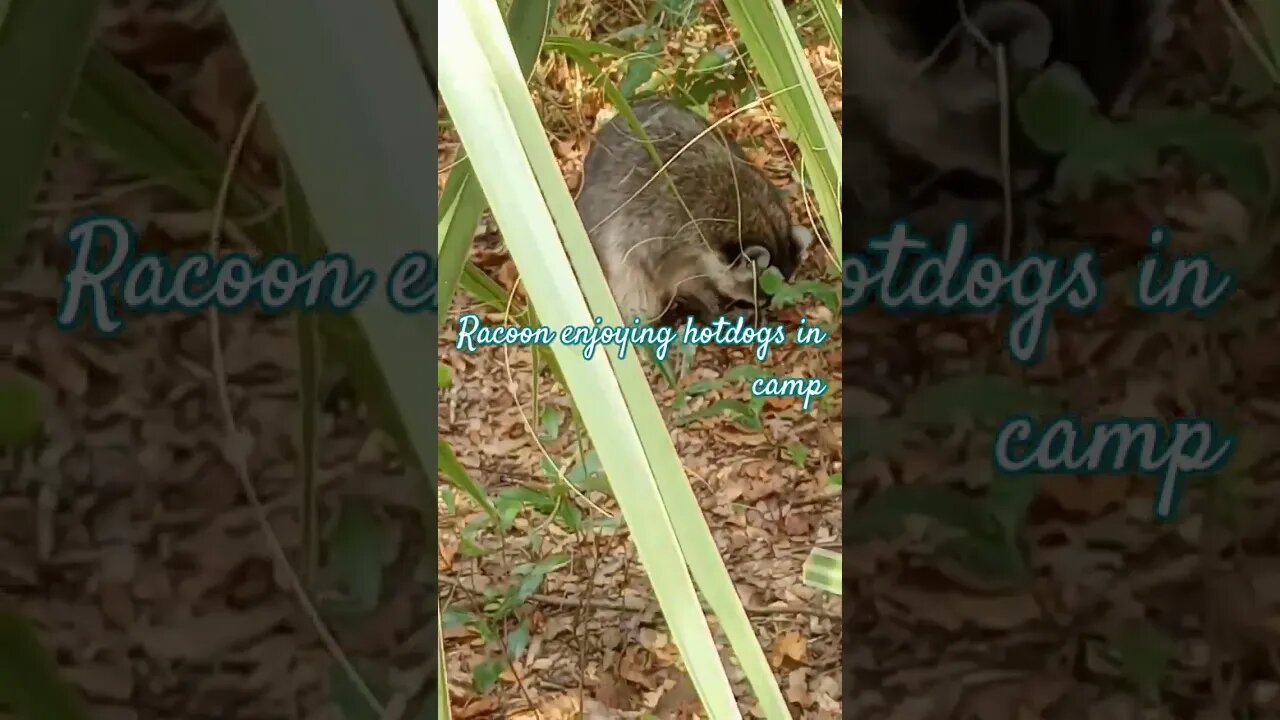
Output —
(697, 250)
(923, 101)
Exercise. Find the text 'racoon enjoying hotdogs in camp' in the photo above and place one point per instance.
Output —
(691, 238)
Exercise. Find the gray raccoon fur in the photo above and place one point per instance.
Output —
(663, 257)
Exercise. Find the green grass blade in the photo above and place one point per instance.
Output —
(303, 242)
(29, 681)
(119, 111)
(442, 679)
(832, 18)
(43, 45)
(364, 144)
(1268, 12)
(22, 422)
(483, 288)
(777, 54)
(462, 202)
(452, 469)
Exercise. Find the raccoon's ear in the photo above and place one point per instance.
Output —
(1018, 24)
(758, 255)
(802, 237)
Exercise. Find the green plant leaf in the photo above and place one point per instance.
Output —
(711, 61)
(771, 281)
(442, 709)
(886, 513)
(641, 68)
(824, 292)
(1057, 109)
(518, 640)
(29, 682)
(866, 436)
(1144, 655)
(992, 560)
(676, 13)
(450, 468)
(531, 578)
(1009, 498)
(589, 474)
(1108, 153)
(42, 49)
(798, 455)
(1058, 114)
(455, 618)
(22, 419)
(986, 399)
(746, 372)
(832, 15)
(549, 424)
(485, 675)
(745, 413)
(357, 545)
(1216, 144)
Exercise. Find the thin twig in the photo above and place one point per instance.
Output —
(237, 450)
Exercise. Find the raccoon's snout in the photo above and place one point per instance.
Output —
(743, 309)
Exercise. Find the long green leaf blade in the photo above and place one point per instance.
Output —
(43, 45)
(462, 202)
(29, 682)
(120, 112)
(777, 53)
(832, 18)
(303, 242)
(363, 146)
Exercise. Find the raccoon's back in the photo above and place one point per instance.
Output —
(708, 171)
